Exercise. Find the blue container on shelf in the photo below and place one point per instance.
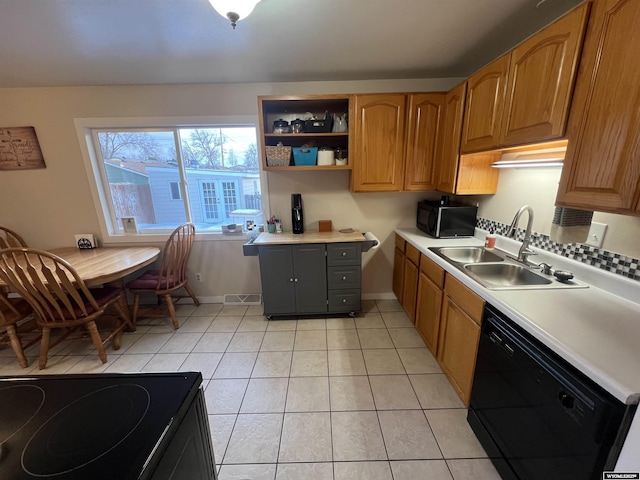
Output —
(305, 156)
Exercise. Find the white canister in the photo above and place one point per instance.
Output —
(326, 156)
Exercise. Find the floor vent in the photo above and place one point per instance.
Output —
(247, 299)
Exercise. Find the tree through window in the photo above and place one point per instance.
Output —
(167, 176)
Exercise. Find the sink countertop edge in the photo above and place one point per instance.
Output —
(605, 354)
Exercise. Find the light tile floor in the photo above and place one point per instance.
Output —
(311, 399)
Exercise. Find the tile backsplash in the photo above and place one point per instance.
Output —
(597, 257)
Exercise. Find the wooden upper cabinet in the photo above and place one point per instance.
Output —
(485, 103)
(450, 138)
(378, 130)
(423, 130)
(541, 78)
(602, 165)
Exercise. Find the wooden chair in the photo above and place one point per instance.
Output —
(12, 311)
(9, 238)
(171, 276)
(60, 299)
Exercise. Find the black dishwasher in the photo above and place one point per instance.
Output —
(537, 416)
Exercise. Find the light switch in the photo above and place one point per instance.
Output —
(596, 234)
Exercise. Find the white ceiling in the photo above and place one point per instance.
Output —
(117, 42)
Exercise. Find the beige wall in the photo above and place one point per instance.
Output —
(49, 206)
(538, 187)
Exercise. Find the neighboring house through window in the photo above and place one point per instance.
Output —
(211, 170)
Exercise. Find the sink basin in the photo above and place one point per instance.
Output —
(506, 275)
(468, 254)
(495, 270)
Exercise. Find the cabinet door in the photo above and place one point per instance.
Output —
(450, 139)
(423, 133)
(189, 453)
(310, 267)
(485, 103)
(457, 348)
(378, 139)
(277, 276)
(410, 288)
(428, 308)
(541, 78)
(602, 165)
(398, 273)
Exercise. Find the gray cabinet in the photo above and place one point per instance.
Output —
(294, 279)
(310, 278)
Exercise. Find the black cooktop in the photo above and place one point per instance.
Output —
(79, 427)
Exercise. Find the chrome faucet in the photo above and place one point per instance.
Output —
(524, 251)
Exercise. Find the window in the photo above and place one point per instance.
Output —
(175, 191)
(208, 174)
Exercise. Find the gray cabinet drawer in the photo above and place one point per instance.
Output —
(344, 277)
(343, 254)
(344, 300)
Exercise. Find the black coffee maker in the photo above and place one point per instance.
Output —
(297, 219)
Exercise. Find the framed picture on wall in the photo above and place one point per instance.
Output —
(19, 149)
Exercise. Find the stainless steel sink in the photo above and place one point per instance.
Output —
(495, 270)
(468, 254)
(506, 274)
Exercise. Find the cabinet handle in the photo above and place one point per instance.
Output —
(291, 279)
(344, 300)
(295, 280)
(344, 278)
(344, 254)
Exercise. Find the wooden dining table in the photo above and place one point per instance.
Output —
(102, 265)
(98, 266)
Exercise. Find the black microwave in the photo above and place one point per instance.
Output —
(446, 220)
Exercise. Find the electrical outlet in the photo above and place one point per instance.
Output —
(198, 277)
(596, 234)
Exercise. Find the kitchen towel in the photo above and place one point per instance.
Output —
(372, 238)
(570, 225)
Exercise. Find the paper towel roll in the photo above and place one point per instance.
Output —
(372, 238)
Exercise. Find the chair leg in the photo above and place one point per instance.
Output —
(192, 294)
(17, 345)
(44, 347)
(122, 308)
(136, 306)
(172, 311)
(97, 341)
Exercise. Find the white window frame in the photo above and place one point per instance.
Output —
(110, 232)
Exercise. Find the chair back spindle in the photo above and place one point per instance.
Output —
(9, 239)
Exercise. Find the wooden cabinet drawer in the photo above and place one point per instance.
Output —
(343, 254)
(468, 301)
(413, 254)
(432, 270)
(400, 243)
(343, 277)
(344, 300)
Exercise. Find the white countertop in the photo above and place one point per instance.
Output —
(595, 329)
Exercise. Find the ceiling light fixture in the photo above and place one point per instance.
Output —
(529, 163)
(234, 10)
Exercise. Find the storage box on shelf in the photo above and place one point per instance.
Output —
(316, 133)
(277, 155)
(305, 156)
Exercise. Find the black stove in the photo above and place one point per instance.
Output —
(79, 427)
